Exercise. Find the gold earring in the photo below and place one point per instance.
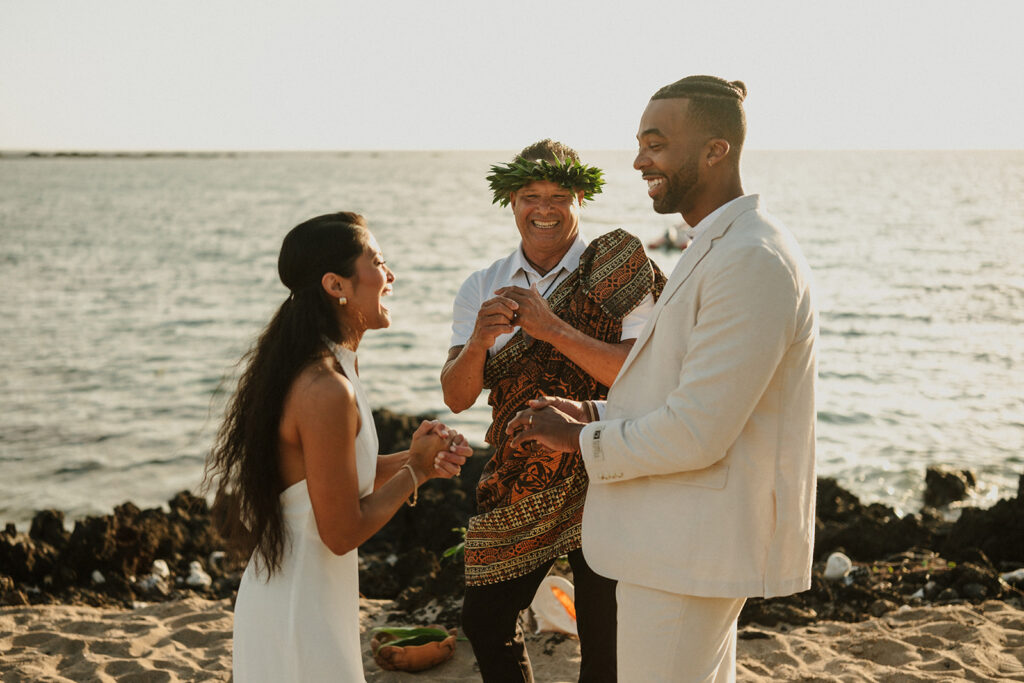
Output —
(342, 301)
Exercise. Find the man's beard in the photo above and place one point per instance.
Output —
(677, 187)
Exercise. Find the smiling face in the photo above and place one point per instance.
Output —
(548, 218)
(669, 156)
(369, 283)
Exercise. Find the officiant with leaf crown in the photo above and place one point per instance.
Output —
(557, 316)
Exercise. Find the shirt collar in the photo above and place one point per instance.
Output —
(706, 222)
(569, 261)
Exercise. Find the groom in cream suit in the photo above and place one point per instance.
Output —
(701, 464)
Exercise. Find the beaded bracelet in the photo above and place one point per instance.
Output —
(415, 485)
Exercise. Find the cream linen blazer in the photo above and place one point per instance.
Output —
(702, 477)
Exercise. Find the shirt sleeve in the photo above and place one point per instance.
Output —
(601, 407)
(637, 318)
(464, 310)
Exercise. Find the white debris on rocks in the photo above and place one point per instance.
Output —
(197, 577)
(837, 566)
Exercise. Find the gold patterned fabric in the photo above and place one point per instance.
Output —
(530, 500)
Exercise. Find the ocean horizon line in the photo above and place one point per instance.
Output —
(86, 153)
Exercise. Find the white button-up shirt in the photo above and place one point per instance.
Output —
(514, 269)
(706, 222)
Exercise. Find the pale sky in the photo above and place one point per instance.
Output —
(478, 74)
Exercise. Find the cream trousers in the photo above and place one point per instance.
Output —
(671, 638)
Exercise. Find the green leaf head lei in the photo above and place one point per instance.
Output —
(569, 173)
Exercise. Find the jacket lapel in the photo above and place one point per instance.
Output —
(692, 255)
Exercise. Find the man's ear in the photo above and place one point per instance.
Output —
(715, 150)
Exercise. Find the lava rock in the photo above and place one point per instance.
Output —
(974, 591)
(915, 559)
(870, 533)
(394, 430)
(13, 598)
(943, 485)
(771, 613)
(998, 532)
(48, 527)
(377, 577)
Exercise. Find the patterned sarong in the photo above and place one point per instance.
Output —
(530, 500)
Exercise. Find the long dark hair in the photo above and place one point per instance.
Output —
(244, 460)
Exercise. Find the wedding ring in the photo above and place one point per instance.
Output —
(531, 421)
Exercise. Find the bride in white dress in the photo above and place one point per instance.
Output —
(296, 458)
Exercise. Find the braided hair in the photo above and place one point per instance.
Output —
(716, 106)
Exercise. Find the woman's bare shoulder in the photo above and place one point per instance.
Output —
(321, 386)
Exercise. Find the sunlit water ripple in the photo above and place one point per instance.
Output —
(131, 287)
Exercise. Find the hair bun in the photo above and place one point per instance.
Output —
(710, 86)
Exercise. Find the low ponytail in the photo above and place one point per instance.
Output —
(244, 460)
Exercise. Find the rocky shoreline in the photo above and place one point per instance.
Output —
(135, 556)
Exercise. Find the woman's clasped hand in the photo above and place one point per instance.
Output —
(437, 451)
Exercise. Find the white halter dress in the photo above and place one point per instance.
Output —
(303, 624)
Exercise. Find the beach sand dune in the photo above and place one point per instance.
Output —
(190, 640)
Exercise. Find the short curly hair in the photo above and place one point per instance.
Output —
(548, 150)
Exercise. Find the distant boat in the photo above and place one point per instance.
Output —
(672, 239)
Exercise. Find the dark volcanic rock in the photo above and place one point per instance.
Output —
(404, 560)
(443, 504)
(394, 430)
(896, 562)
(51, 565)
(998, 532)
(834, 503)
(943, 485)
(773, 612)
(865, 532)
(48, 527)
(24, 559)
(910, 578)
(911, 560)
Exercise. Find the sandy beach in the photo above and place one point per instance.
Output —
(919, 598)
(190, 640)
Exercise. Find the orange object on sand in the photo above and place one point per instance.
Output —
(412, 657)
(566, 601)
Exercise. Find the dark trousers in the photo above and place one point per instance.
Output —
(490, 619)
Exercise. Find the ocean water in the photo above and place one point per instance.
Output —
(131, 286)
